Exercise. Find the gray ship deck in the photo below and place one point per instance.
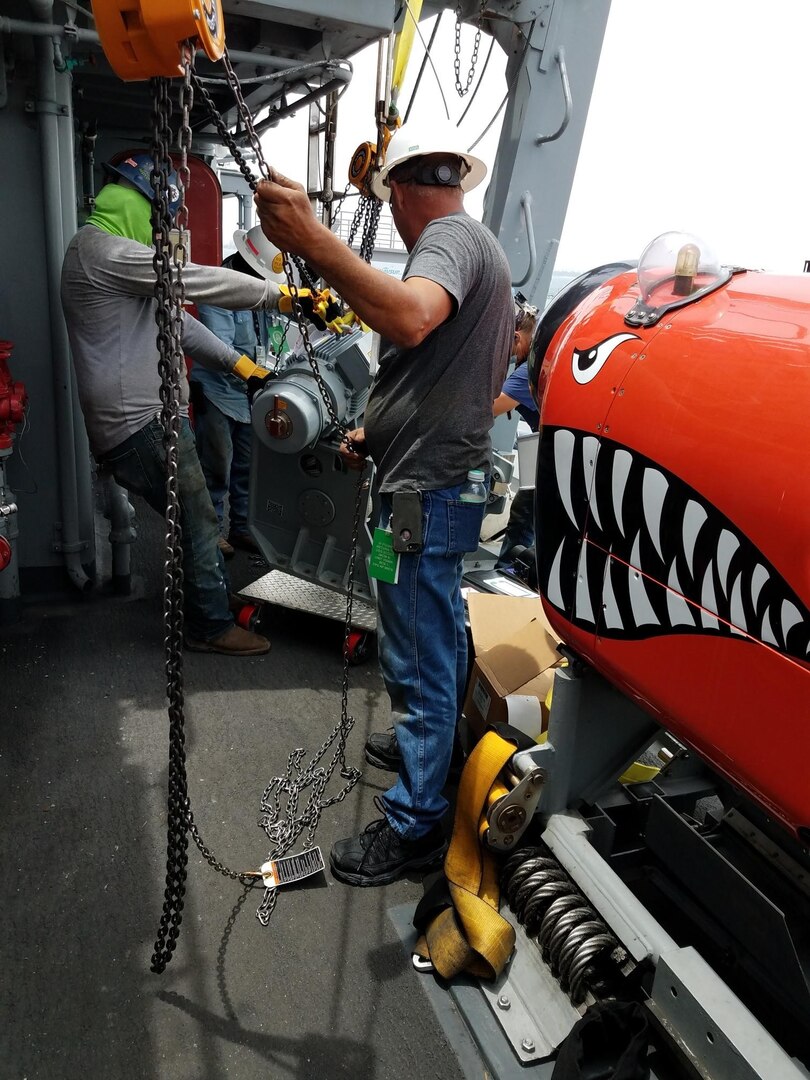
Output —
(325, 991)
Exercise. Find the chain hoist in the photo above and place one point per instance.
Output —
(462, 91)
(282, 828)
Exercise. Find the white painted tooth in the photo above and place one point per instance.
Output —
(767, 632)
(680, 614)
(790, 616)
(758, 579)
(622, 463)
(708, 599)
(738, 624)
(610, 609)
(590, 450)
(654, 489)
(726, 549)
(643, 611)
(694, 518)
(584, 607)
(564, 442)
(554, 591)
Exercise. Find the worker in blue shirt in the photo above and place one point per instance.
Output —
(221, 407)
(515, 394)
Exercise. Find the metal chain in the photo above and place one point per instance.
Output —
(337, 203)
(244, 112)
(462, 91)
(284, 831)
(168, 263)
(367, 214)
(358, 218)
(168, 310)
(303, 271)
(223, 132)
(370, 229)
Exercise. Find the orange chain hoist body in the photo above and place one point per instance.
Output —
(143, 38)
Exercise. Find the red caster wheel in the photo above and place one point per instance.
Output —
(358, 646)
(248, 616)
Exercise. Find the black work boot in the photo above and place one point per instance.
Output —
(382, 751)
(379, 855)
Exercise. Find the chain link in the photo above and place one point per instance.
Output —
(462, 91)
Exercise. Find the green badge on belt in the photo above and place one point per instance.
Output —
(384, 562)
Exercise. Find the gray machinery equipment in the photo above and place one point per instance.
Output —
(302, 497)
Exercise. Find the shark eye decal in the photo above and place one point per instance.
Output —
(587, 363)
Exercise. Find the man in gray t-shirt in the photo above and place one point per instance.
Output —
(107, 290)
(447, 330)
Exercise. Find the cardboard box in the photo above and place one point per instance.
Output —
(515, 655)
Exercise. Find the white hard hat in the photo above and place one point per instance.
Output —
(260, 254)
(415, 141)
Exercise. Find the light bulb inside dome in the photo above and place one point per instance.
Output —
(674, 265)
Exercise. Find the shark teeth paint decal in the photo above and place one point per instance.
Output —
(564, 442)
(694, 519)
(590, 448)
(622, 464)
(628, 550)
(654, 492)
(680, 614)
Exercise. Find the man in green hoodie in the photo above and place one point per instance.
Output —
(108, 283)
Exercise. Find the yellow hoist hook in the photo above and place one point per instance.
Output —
(143, 38)
(364, 158)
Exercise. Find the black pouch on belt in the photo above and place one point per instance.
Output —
(406, 521)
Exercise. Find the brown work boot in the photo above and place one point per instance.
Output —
(226, 548)
(243, 541)
(234, 642)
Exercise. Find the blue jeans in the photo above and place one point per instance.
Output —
(423, 655)
(520, 530)
(223, 446)
(139, 465)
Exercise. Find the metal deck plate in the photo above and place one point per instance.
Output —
(286, 590)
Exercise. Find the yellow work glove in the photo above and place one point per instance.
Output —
(253, 375)
(328, 308)
(348, 322)
(321, 308)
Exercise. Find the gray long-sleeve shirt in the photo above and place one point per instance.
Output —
(108, 299)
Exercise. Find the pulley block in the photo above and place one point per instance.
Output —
(143, 38)
(360, 166)
(364, 160)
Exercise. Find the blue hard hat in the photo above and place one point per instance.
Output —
(137, 168)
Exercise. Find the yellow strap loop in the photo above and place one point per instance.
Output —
(472, 936)
(404, 44)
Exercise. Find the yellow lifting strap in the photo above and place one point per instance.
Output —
(404, 44)
(471, 936)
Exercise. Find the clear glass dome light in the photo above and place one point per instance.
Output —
(674, 265)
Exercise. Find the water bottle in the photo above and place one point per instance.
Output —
(474, 490)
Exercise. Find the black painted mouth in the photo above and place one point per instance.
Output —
(653, 524)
